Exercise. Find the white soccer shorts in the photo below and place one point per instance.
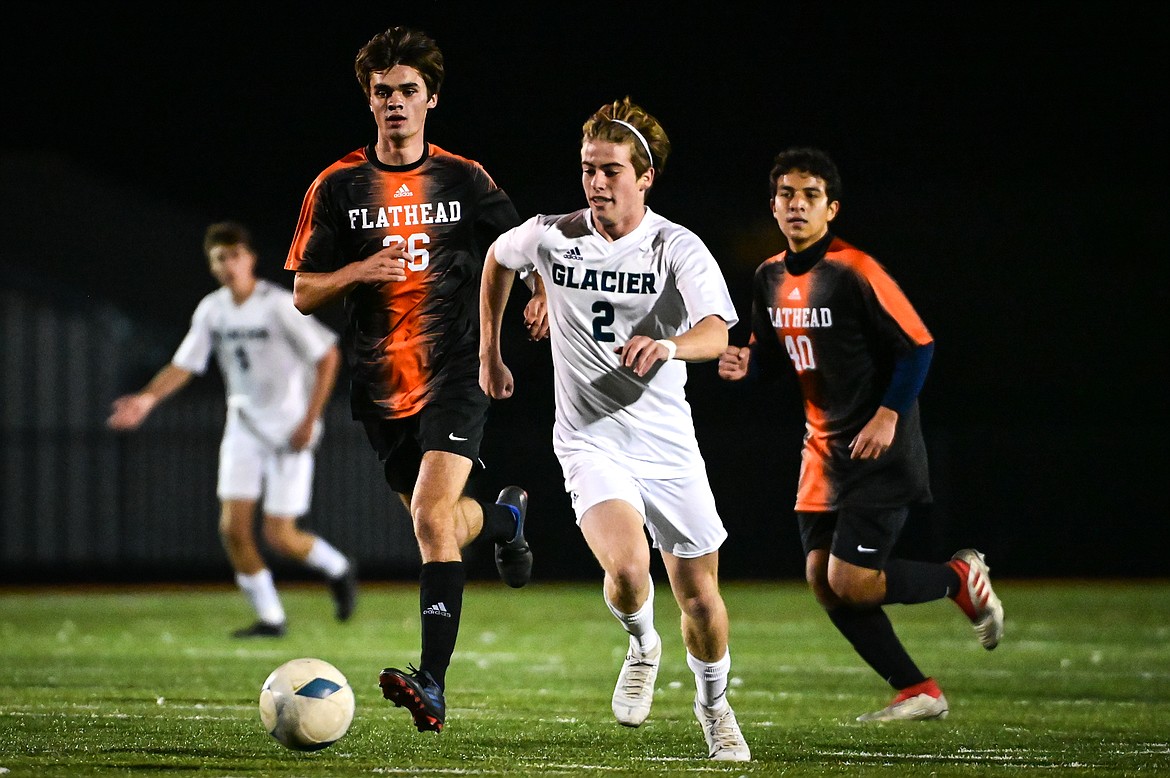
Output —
(679, 513)
(249, 468)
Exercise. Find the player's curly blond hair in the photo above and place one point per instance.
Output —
(605, 124)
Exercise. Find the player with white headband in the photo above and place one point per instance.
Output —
(631, 297)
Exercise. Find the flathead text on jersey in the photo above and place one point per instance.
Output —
(405, 215)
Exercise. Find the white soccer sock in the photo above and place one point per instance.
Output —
(261, 593)
(326, 559)
(710, 678)
(640, 625)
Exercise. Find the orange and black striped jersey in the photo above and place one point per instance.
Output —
(408, 341)
(840, 320)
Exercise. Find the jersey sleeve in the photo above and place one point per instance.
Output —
(516, 249)
(315, 246)
(700, 281)
(767, 356)
(496, 213)
(896, 318)
(194, 352)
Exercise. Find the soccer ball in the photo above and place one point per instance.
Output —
(306, 704)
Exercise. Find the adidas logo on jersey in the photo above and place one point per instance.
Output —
(794, 294)
(438, 609)
(404, 191)
(573, 253)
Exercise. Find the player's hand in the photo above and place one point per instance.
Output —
(302, 436)
(536, 317)
(130, 410)
(876, 436)
(386, 265)
(495, 379)
(734, 362)
(641, 353)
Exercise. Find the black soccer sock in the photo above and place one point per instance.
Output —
(872, 636)
(499, 522)
(909, 583)
(441, 601)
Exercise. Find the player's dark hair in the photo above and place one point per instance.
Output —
(807, 160)
(400, 46)
(226, 234)
(603, 125)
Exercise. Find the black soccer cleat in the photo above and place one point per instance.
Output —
(344, 591)
(514, 558)
(418, 693)
(261, 629)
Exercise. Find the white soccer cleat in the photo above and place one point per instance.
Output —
(635, 685)
(919, 707)
(725, 742)
(923, 700)
(977, 599)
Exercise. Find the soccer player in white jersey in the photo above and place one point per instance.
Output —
(279, 369)
(631, 297)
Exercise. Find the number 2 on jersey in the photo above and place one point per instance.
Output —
(604, 318)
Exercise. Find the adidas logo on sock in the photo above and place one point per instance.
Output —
(404, 191)
(438, 609)
(573, 253)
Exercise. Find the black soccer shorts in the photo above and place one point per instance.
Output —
(453, 422)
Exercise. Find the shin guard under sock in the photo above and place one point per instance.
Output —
(872, 636)
(440, 603)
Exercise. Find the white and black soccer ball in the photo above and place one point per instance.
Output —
(306, 704)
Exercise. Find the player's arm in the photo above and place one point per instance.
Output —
(130, 410)
(909, 375)
(312, 291)
(327, 368)
(495, 286)
(536, 311)
(706, 340)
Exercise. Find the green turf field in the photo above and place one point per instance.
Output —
(145, 682)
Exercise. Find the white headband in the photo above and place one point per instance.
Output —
(634, 130)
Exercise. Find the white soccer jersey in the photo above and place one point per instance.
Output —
(657, 281)
(267, 352)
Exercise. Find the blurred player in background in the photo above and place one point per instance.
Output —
(279, 369)
(398, 229)
(631, 297)
(861, 354)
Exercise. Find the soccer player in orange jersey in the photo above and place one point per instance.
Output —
(397, 229)
(861, 354)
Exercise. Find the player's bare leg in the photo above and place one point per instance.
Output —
(444, 522)
(613, 530)
(236, 531)
(695, 583)
(284, 537)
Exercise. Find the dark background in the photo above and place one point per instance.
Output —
(1006, 162)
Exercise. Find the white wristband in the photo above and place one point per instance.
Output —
(670, 346)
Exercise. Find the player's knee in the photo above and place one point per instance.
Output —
(234, 531)
(823, 593)
(703, 607)
(279, 536)
(433, 522)
(630, 574)
(853, 591)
